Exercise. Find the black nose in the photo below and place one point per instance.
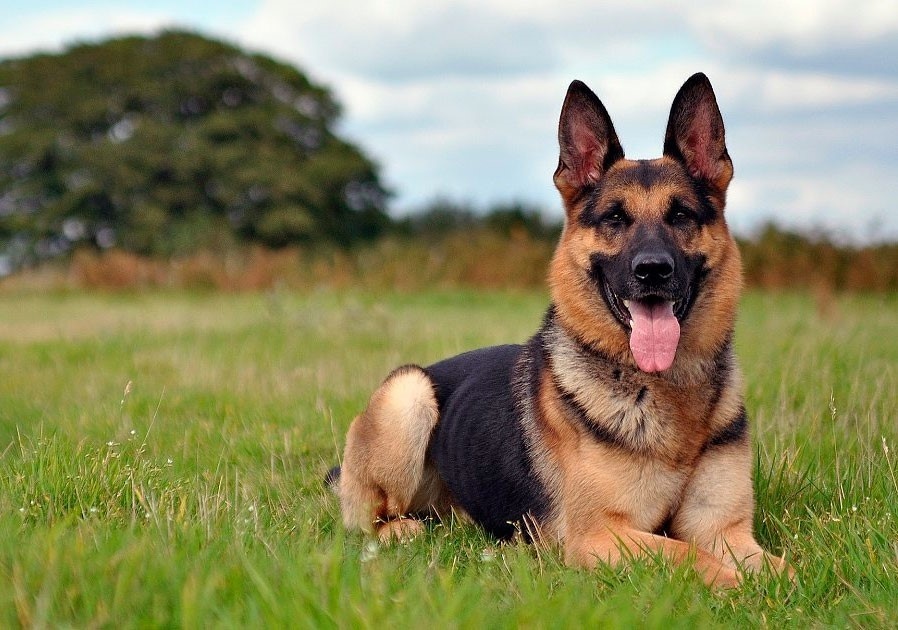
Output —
(653, 267)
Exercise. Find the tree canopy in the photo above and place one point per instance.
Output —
(168, 143)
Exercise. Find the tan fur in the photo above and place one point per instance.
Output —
(384, 474)
(617, 543)
(662, 485)
(612, 499)
(581, 307)
(611, 502)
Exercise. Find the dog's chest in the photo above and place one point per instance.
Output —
(638, 443)
(640, 491)
(653, 420)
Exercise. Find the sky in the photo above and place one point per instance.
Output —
(460, 98)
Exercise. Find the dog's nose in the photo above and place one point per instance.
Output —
(653, 267)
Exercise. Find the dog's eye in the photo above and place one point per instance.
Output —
(615, 217)
(680, 215)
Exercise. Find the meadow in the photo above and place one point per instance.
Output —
(162, 455)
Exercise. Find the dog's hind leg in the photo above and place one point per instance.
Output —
(385, 478)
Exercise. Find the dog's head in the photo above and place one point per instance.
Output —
(646, 266)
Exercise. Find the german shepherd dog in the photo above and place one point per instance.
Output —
(619, 428)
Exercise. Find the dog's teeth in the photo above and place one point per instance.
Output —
(627, 303)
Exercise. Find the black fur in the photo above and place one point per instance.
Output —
(598, 431)
(641, 395)
(332, 478)
(696, 93)
(735, 431)
(582, 104)
(479, 446)
(720, 376)
(646, 175)
(491, 426)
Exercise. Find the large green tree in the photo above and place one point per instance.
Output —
(169, 143)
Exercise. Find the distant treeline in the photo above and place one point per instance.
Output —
(451, 245)
(776, 258)
(773, 257)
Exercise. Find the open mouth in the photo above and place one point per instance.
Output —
(620, 307)
(653, 325)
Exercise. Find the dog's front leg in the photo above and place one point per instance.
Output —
(614, 544)
(717, 509)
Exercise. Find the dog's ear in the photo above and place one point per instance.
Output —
(695, 136)
(587, 141)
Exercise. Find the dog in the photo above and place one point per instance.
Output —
(618, 430)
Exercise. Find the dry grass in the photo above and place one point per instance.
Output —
(482, 259)
(478, 257)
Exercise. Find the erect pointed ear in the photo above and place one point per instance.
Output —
(587, 141)
(695, 136)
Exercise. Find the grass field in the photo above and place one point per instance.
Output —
(162, 457)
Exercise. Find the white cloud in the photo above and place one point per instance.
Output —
(776, 91)
(462, 96)
(849, 202)
(802, 24)
(52, 30)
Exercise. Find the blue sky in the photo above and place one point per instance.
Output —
(460, 98)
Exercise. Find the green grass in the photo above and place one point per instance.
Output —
(194, 498)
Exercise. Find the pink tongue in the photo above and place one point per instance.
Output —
(655, 335)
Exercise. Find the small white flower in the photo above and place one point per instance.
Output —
(370, 551)
(252, 508)
(169, 461)
(133, 432)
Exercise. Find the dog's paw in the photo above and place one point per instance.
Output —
(726, 578)
(779, 566)
(399, 530)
